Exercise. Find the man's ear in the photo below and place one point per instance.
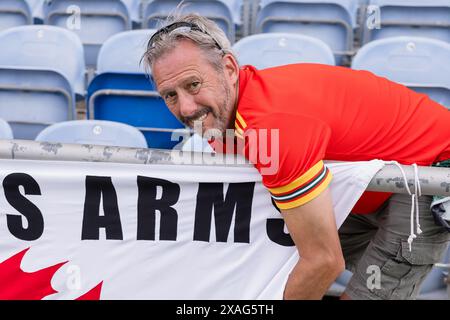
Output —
(231, 68)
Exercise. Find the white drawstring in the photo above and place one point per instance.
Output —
(418, 192)
(414, 200)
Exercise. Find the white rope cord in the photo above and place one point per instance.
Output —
(418, 192)
(414, 200)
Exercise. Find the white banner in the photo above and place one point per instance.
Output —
(72, 230)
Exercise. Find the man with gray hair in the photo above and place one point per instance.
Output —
(318, 113)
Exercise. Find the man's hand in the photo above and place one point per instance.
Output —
(313, 229)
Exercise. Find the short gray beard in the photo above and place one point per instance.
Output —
(221, 119)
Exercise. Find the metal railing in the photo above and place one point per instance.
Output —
(433, 180)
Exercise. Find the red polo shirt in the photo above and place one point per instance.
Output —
(335, 113)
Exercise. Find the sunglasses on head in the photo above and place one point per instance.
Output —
(178, 25)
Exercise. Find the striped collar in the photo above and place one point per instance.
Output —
(239, 125)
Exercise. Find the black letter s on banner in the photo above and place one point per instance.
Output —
(32, 213)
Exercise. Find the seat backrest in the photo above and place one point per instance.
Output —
(37, 7)
(132, 99)
(411, 18)
(333, 22)
(5, 130)
(412, 61)
(93, 132)
(100, 13)
(158, 10)
(14, 13)
(134, 9)
(435, 279)
(274, 49)
(94, 21)
(438, 94)
(344, 10)
(31, 99)
(405, 11)
(235, 7)
(344, 278)
(123, 52)
(45, 47)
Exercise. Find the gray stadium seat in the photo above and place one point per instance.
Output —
(41, 69)
(37, 7)
(45, 47)
(235, 7)
(430, 19)
(157, 10)
(5, 130)
(134, 9)
(274, 49)
(97, 132)
(434, 286)
(330, 21)
(338, 287)
(31, 99)
(419, 63)
(94, 21)
(14, 13)
(123, 52)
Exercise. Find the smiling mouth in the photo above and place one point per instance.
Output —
(202, 117)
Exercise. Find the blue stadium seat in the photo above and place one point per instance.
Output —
(331, 21)
(41, 69)
(122, 52)
(419, 63)
(5, 130)
(93, 21)
(274, 49)
(429, 19)
(157, 10)
(107, 133)
(122, 91)
(14, 13)
(131, 99)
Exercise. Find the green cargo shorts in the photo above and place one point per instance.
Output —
(376, 250)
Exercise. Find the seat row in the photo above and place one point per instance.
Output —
(42, 75)
(94, 21)
(422, 64)
(107, 133)
(42, 78)
(344, 25)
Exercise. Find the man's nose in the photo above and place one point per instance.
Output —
(188, 107)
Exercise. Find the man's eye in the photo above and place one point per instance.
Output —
(195, 86)
(170, 97)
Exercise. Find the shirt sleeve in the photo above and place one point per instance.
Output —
(297, 174)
